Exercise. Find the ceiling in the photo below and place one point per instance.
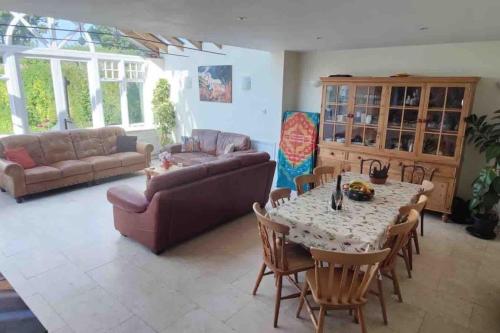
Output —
(288, 24)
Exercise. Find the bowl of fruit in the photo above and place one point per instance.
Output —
(360, 190)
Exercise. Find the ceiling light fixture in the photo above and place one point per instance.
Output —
(242, 18)
(319, 38)
(423, 28)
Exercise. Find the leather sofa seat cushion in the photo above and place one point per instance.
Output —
(175, 178)
(208, 140)
(108, 137)
(57, 146)
(129, 158)
(87, 143)
(240, 141)
(188, 159)
(29, 142)
(222, 166)
(73, 167)
(103, 162)
(253, 158)
(41, 174)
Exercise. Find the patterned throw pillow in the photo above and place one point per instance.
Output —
(190, 144)
(20, 156)
(229, 148)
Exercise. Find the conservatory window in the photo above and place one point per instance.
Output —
(5, 114)
(134, 71)
(108, 70)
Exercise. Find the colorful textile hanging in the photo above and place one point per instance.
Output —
(296, 155)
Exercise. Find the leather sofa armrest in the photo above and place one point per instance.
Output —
(12, 178)
(11, 169)
(173, 148)
(146, 149)
(127, 199)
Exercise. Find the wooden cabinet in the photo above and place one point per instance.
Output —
(398, 120)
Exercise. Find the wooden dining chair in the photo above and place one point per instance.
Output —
(403, 215)
(305, 183)
(416, 174)
(397, 237)
(280, 257)
(339, 280)
(278, 196)
(428, 188)
(325, 173)
(370, 162)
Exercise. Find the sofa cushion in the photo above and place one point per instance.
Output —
(129, 158)
(208, 140)
(108, 137)
(221, 166)
(126, 143)
(57, 146)
(20, 156)
(253, 158)
(72, 167)
(175, 178)
(41, 174)
(240, 141)
(86, 142)
(30, 142)
(103, 162)
(188, 159)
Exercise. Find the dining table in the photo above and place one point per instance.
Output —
(359, 226)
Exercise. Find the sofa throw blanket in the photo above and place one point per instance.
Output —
(190, 144)
(297, 150)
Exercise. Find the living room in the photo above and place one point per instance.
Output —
(145, 165)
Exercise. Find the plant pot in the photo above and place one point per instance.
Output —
(378, 181)
(484, 226)
(166, 164)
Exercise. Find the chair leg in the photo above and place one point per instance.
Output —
(407, 260)
(321, 319)
(259, 278)
(422, 224)
(415, 240)
(361, 319)
(410, 254)
(296, 276)
(382, 300)
(302, 298)
(395, 283)
(278, 300)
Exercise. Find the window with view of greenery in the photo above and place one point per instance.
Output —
(134, 100)
(77, 87)
(5, 115)
(38, 94)
(111, 103)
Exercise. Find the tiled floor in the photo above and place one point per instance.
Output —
(62, 254)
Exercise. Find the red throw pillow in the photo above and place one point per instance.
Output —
(20, 156)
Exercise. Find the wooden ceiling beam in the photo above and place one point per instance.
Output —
(197, 44)
(219, 46)
(175, 41)
(144, 41)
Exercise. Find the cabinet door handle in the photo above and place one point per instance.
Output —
(332, 153)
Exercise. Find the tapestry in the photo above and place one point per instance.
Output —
(216, 83)
(296, 155)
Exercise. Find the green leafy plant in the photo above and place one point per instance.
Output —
(163, 109)
(484, 134)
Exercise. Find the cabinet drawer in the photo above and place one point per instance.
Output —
(441, 170)
(355, 161)
(332, 153)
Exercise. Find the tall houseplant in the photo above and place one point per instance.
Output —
(484, 134)
(164, 113)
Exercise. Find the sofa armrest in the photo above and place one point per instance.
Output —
(12, 178)
(127, 199)
(11, 169)
(173, 148)
(146, 149)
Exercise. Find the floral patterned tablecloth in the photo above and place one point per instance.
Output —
(358, 226)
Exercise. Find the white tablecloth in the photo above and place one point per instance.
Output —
(360, 225)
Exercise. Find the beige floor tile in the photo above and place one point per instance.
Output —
(485, 319)
(45, 313)
(198, 321)
(132, 325)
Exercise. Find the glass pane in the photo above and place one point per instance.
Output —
(329, 112)
(361, 95)
(412, 96)
(410, 119)
(340, 133)
(331, 94)
(451, 121)
(328, 132)
(357, 135)
(430, 143)
(375, 96)
(111, 103)
(395, 118)
(433, 122)
(38, 94)
(397, 96)
(370, 137)
(5, 115)
(341, 114)
(372, 116)
(436, 98)
(455, 97)
(392, 140)
(134, 100)
(77, 90)
(359, 115)
(2, 67)
(343, 94)
(448, 145)
(407, 141)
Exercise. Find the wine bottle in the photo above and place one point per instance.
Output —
(337, 196)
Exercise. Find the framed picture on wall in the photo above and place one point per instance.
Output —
(216, 83)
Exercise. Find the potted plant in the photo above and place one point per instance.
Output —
(378, 175)
(484, 134)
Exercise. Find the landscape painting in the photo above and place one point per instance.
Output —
(216, 83)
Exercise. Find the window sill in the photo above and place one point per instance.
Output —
(140, 128)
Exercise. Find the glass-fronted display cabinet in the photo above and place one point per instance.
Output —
(335, 113)
(366, 116)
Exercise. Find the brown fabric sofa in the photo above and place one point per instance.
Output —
(183, 203)
(66, 158)
(212, 144)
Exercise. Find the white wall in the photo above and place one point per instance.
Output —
(255, 112)
(465, 59)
